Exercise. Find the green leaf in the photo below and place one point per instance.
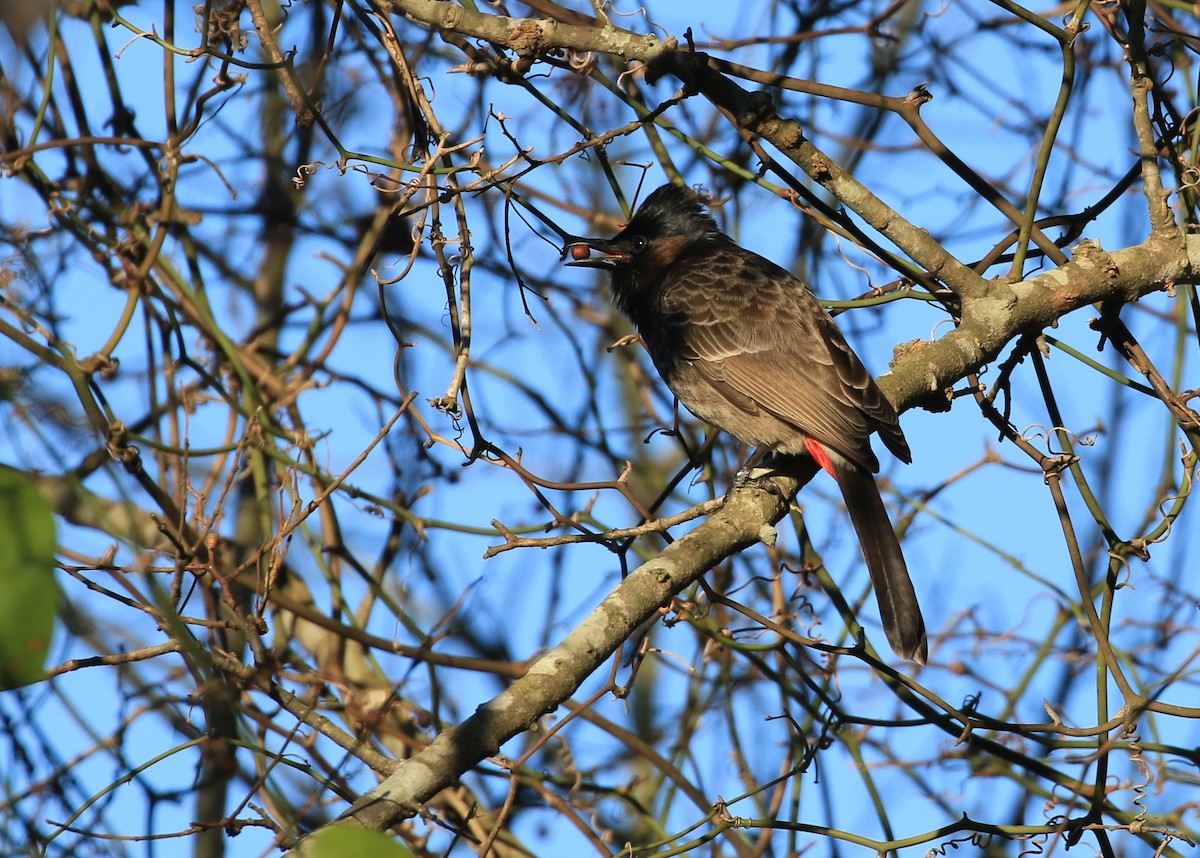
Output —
(29, 594)
(348, 839)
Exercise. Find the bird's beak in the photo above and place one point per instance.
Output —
(580, 251)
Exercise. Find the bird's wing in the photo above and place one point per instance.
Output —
(760, 336)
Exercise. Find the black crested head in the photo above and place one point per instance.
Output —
(671, 211)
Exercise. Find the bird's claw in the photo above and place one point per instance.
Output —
(749, 477)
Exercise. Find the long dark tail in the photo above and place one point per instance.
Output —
(898, 608)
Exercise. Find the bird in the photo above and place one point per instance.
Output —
(747, 347)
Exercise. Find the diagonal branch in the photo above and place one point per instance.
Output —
(744, 520)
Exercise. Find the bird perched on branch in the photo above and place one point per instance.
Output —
(747, 347)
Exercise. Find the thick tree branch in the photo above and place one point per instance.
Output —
(1093, 275)
(528, 37)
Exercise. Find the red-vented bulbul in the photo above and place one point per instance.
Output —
(747, 347)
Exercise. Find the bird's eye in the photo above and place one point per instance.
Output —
(639, 243)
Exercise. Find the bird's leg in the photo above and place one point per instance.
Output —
(756, 473)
